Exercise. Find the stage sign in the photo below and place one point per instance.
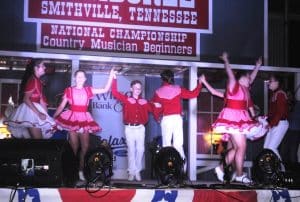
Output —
(136, 28)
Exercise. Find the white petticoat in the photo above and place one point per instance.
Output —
(23, 117)
(259, 132)
(253, 133)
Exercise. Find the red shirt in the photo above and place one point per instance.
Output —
(278, 108)
(34, 85)
(169, 96)
(135, 111)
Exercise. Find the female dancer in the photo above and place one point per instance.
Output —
(77, 120)
(30, 119)
(277, 114)
(235, 120)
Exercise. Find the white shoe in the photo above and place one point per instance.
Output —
(243, 179)
(138, 177)
(219, 173)
(130, 177)
(81, 176)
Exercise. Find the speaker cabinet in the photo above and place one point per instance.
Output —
(37, 163)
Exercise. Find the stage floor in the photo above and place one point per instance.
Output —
(154, 184)
(149, 190)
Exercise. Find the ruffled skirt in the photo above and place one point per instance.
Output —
(23, 118)
(81, 122)
(238, 122)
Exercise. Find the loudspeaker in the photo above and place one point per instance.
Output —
(169, 166)
(267, 171)
(98, 163)
(37, 163)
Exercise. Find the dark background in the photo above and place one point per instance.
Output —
(284, 21)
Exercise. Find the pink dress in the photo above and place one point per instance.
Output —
(77, 118)
(234, 118)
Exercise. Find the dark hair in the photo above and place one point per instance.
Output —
(282, 85)
(79, 70)
(240, 73)
(29, 72)
(135, 82)
(167, 76)
(279, 78)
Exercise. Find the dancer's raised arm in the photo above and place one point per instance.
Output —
(255, 70)
(210, 88)
(108, 84)
(230, 74)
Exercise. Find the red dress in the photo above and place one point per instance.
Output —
(77, 118)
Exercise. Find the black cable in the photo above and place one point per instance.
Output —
(13, 194)
(101, 196)
(94, 180)
(92, 193)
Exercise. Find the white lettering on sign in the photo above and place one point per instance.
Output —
(114, 45)
(163, 15)
(64, 6)
(139, 14)
(72, 30)
(154, 28)
(171, 3)
(61, 8)
(143, 35)
(63, 43)
(93, 38)
(162, 48)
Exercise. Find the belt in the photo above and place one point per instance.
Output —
(78, 108)
(236, 104)
(132, 124)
